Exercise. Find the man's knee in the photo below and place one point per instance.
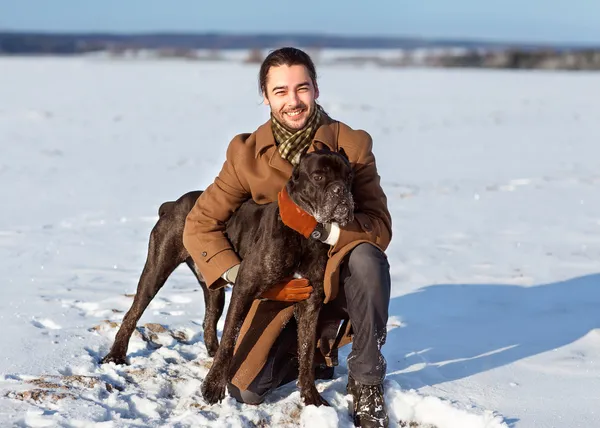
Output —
(368, 265)
(245, 396)
(365, 256)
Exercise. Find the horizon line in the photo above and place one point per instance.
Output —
(446, 39)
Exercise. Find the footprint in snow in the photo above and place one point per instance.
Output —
(45, 323)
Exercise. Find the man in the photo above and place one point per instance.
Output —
(357, 279)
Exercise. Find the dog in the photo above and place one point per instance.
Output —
(320, 185)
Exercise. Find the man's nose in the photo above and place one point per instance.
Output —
(293, 99)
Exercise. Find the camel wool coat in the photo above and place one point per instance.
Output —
(253, 168)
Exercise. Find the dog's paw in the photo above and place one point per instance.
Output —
(312, 397)
(213, 388)
(114, 358)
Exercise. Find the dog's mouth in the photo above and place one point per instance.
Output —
(340, 210)
(343, 214)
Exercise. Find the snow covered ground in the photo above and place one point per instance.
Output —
(492, 180)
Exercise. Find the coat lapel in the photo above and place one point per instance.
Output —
(277, 162)
(326, 135)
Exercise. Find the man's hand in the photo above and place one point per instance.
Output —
(302, 222)
(328, 233)
(293, 216)
(289, 290)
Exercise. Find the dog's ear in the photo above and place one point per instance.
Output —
(321, 148)
(295, 175)
(303, 154)
(342, 152)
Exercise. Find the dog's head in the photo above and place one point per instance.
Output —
(321, 184)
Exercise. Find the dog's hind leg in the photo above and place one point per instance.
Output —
(165, 253)
(307, 315)
(214, 302)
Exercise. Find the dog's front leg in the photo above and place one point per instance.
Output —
(307, 315)
(246, 288)
(214, 302)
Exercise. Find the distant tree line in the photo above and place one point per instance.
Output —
(29, 43)
(546, 59)
(412, 52)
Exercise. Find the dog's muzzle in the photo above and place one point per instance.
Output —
(340, 199)
(343, 213)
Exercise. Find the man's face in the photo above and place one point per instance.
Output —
(291, 95)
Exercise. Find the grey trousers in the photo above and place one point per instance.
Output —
(365, 285)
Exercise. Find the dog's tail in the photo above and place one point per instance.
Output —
(164, 208)
(181, 206)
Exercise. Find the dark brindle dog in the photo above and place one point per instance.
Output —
(270, 252)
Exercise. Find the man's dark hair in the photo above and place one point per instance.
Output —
(285, 56)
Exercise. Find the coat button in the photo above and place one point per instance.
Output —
(203, 253)
(367, 226)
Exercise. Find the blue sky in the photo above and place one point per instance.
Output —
(511, 20)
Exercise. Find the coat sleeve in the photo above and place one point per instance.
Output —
(204, 231)
(372, 220)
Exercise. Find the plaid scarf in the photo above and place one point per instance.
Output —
(292, 144)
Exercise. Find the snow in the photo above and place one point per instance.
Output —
(492, 180)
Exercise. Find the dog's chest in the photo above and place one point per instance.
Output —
(312, 263)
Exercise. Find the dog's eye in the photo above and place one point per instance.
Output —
(317, 177)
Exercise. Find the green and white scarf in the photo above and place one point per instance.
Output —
(292, 144)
